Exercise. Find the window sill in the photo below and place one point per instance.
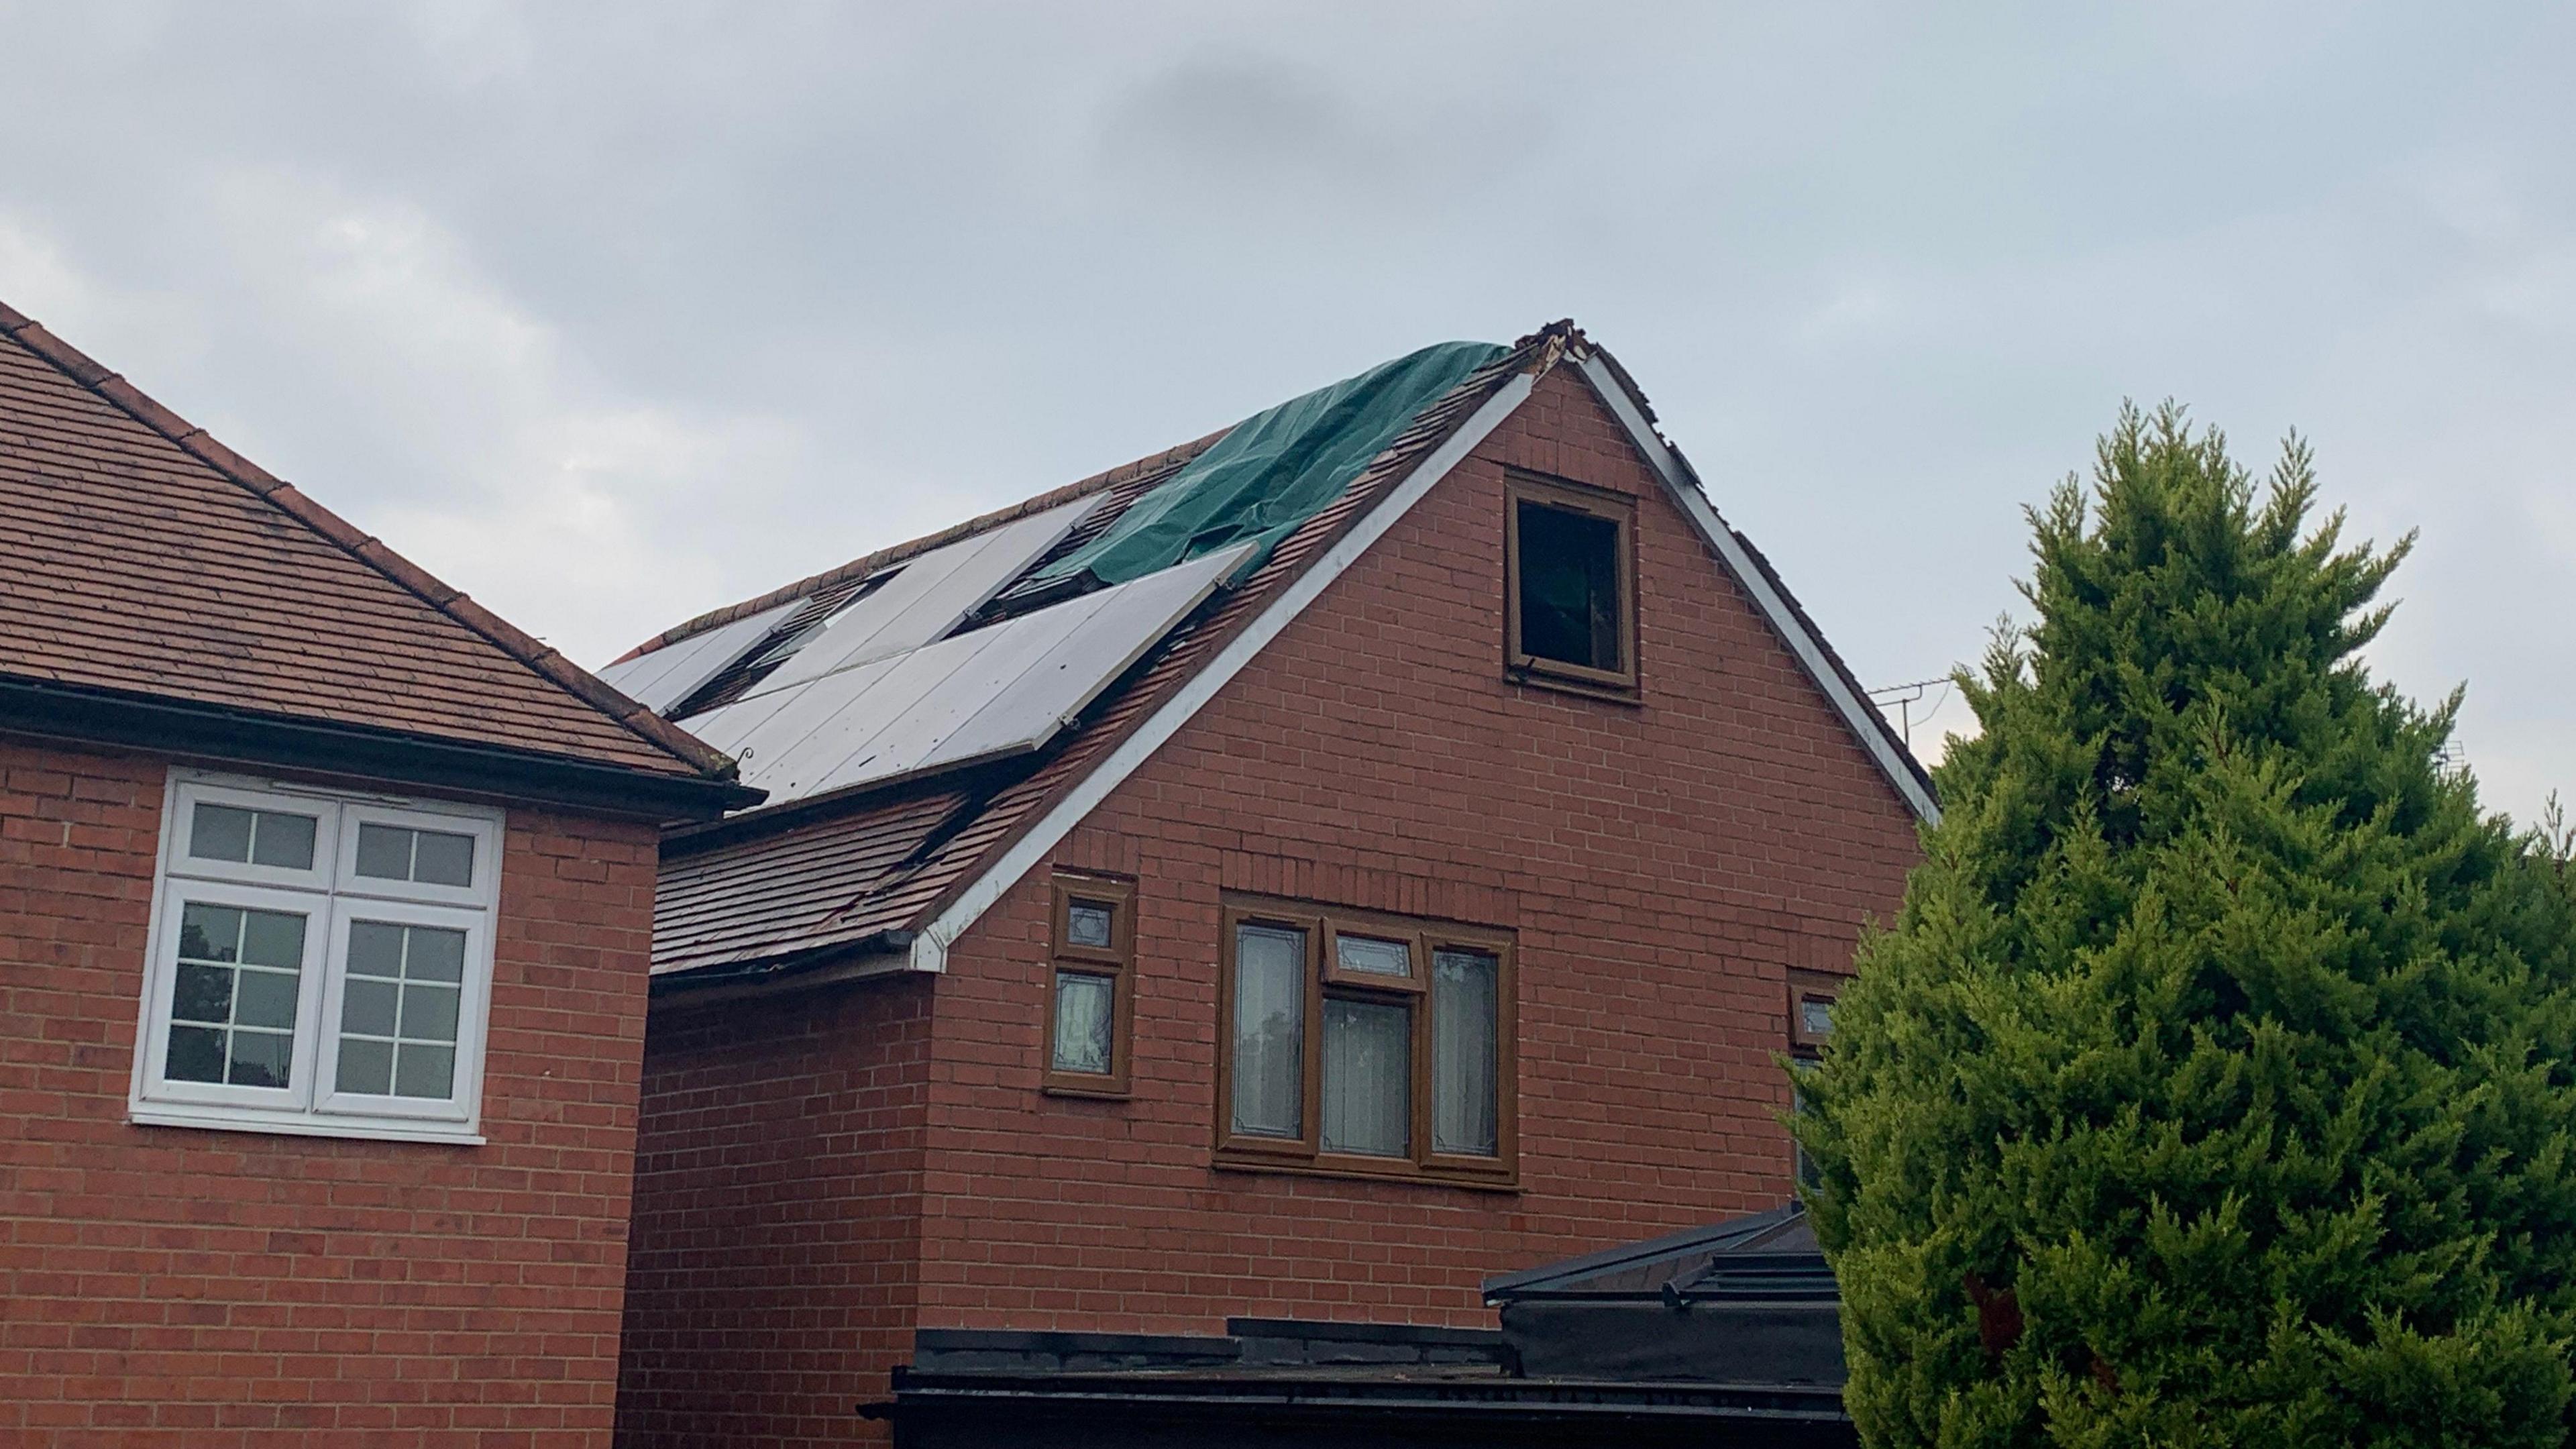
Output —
(218, 1119)
(1402, 1174)
(1098, 1090)
(1590, 689)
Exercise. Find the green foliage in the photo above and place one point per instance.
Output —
(2225, 1047)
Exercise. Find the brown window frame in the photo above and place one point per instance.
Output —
(1116, 962)
(1617, 508)
(1806, 986)
(1321, 925)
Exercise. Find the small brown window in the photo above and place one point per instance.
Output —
(1363, 1044)
(1091, 1008)
(1570, 614)
(1811, 1011)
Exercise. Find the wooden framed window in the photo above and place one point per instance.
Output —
(1569, 586)
(1361, 1044)
(1811, 1011)
(1091, 1006)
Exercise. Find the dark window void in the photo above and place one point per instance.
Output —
(1569, 577)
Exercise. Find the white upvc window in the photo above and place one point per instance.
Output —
(320, 962)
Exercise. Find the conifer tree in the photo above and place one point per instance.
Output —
(2215, 1085)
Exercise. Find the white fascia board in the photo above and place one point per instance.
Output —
(1685, 490)
(930, 948)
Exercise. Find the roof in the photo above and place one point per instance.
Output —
(1284, 1382)
(149, 564)
(857, 876)
(1748, 1300)
(1766, 1256)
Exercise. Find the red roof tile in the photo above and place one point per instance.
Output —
(139, 555)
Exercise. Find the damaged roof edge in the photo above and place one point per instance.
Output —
(1753, 572)
(883, 953)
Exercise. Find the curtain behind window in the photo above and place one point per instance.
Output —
(1269, 1031)
(1464, 1021)
(1368, 1078)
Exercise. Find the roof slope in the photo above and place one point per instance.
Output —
(880, 868)
(142, 557)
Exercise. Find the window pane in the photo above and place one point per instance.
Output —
(1373, 957)
(424, 1071)
(283, 840)
(244, 1015)
(1816, 1016)
(273, 938)
(205, 993)
(219, 832)
(196, 1054)
(435, 955)
(366, 1066)
(384, 852)
(1085, 1011)
(1087, 924)
(255, 837)
(260, 1058)
(1368, 1078)
(443, 859)
(209, 933)
(1269, 1031)
(434, 857)
(1809, 1173)
(1569, 578)
(1463, 1025)
(429, 1013)
(376, 949)
(367, 1007)
(266, 998)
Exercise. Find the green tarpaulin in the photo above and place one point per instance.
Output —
(1275, 469)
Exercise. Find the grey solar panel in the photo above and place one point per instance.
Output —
(929, 596)
(732, 728)
(849, 719)
(672, 673)
(994, 692)
(1048, 695)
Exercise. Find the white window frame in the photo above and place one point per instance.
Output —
(330, 896)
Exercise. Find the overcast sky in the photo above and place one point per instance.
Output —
(610, 314)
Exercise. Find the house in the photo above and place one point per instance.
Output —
(1288, 880)
(325, 899)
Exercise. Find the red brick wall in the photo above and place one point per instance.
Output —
(777, 1213)
(164, 1285)
(1663, 866)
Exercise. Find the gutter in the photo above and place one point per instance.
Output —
(229, 735)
